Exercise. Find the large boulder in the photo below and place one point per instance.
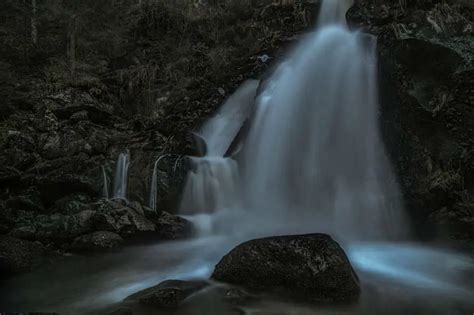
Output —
(310, 267)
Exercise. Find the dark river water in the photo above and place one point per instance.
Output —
(396, 279)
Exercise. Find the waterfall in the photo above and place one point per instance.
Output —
(154, 184)
(314, 160)
(154, 187)
(333, 12)
(105, 183)
(220, 130)
(121, 176)
(211, 186)
(213, 182)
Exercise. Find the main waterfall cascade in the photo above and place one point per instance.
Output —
(313, 159)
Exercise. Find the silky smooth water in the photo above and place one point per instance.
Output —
(313, 161)
(121, 175)
(220, 130)
(396, 278)
(212, 185)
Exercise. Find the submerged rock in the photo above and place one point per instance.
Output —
(311, 267)
(122, 311)
(168, 294)
(97, 242)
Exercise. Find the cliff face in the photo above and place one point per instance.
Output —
(141, 75)
(426, 51)
(102, 77)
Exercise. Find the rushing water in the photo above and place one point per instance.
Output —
(121, 175)
(313, 161)
(212, 185)
(396, 278)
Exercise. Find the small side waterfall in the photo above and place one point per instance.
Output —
(105, 183)
(121, 176)
(213, 183)
(154, 184)
(154, 187)
(221, 130)
(211, 186)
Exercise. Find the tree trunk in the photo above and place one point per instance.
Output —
(72, 46)
(34, 23)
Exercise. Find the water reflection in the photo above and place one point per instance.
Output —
(396, 279)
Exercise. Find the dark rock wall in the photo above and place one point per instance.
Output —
(142, 78)
(426, 51)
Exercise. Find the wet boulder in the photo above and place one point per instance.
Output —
(128, 220)
(172, 227)
(309, 267)
(168, 294)
(97, 242)
(117, 217)
(56, 228)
